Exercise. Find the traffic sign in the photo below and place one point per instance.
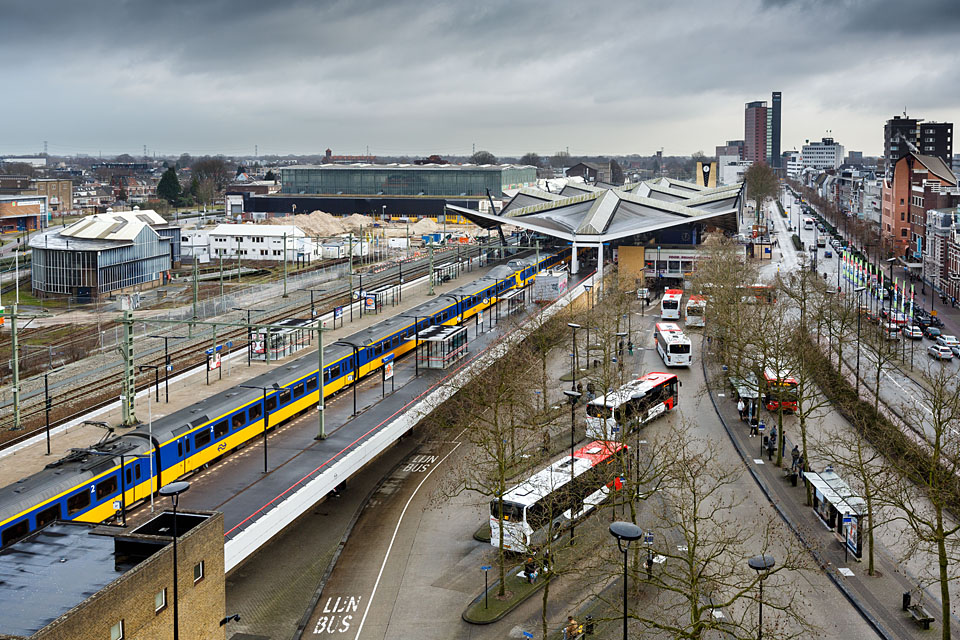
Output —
(485, 567)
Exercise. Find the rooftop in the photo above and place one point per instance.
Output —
(409, 167)
(277, 230)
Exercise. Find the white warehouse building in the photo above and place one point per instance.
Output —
(250, 242)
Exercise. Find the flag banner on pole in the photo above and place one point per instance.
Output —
(912, 295)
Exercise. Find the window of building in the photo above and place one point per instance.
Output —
(198, 572)
(116, 631)
(160, 600)
(903, 233)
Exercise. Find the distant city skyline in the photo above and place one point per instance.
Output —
(410, 79)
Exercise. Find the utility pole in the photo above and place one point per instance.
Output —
(221, 277)
(129, 379)
(196, 290)
(322, 434)
(430, 292)
(284, 265)
(16, 369)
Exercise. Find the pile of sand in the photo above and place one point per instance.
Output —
(426, 225)
(314, 224)
(354, 221)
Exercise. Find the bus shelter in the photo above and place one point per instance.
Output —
(441, 346)
(838, 507)
(291, 336)
(748, 390)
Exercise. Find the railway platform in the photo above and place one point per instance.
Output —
(188, 387)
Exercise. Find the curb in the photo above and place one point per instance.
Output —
(866, 615)
(539, 585)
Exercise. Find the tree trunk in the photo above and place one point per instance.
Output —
(945, 625)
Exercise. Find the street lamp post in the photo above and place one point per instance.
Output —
(762, 565)
(574, 326)
(625, 533)
(574, 397)
(173, 491)
(166, 363)
(266, 416)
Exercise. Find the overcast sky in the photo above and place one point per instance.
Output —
(413, 77)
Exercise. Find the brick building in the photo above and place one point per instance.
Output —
(755, 131)
(919, 183)
(79, 581)
(23, 213)
(59, 193)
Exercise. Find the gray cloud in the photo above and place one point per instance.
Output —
(407, 77)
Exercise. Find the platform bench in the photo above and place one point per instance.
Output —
(920, 615)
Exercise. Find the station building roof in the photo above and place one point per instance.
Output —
(591, 214)
(100, 231)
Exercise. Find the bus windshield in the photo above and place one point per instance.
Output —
(512, 512)
(596, 411)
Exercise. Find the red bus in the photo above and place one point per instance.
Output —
(779, 390)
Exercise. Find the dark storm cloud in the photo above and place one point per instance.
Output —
(414, 77)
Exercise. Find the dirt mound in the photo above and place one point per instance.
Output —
(317, 223)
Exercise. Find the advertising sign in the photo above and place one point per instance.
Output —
(337, 313)
(370, 303)
(213, 362)
(388, 371)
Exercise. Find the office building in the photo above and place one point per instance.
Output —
(755, 132)
(774, 130)
(405, 180)
(899, 138)
(936, 139)
(825, 154)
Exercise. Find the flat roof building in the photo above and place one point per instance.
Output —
(447, 180)
(23, 213)
(74, 580)
(102, 254)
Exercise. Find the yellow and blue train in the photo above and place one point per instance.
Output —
(86, 484)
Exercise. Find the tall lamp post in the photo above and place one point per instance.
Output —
(858, 291)
(156, 377)
(762, 565)
(625, 533)
(173, 491)
(266, 416)
(574, 398)
(574, 326)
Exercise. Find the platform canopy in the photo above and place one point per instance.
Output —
(590, 215)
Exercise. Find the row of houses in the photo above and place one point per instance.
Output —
(915, 211)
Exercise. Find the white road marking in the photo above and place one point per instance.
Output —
(386, 556)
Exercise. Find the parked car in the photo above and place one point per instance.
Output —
(931, 333)
(950, 342)
(940, 352)
(914, 332)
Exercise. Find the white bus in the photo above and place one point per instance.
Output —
(634, 404)
(549, 500)
(808, 224)
(672, 345)
(670, 304)
(696, 306)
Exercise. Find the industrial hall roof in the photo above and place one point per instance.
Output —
(589, 214)
(99, 231)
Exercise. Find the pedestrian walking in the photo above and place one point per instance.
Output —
(741, 408)
(530, 570)
(795, 455)
(753, 427)
(630, 347)
(620, 348)
(570, 631)
(580, 388)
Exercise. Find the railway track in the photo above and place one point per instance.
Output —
(77, 400)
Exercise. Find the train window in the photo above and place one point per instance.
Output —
(202, 438)
(312, 383)
(256, 412)
(179, 449)
(136, 470)
(220, 429)
(129, 476)
(396, 340)
(378, 350)
(272, 403)
(186, 444)
(284, 396)
(15, 532)
(106, 487)
(328, 375)
(78, 502)
(48, 515)
(298, 390)
(239, 419)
